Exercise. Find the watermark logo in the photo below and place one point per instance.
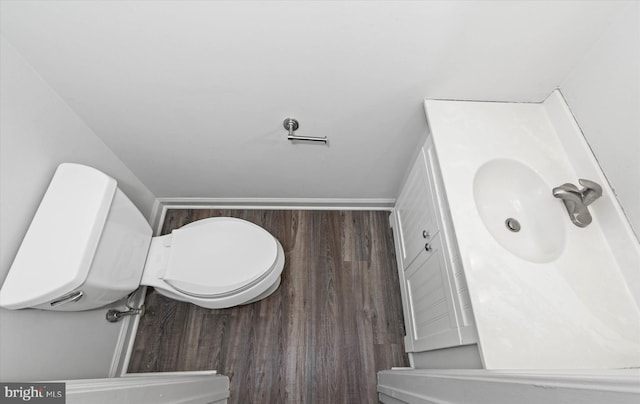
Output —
(49, 393)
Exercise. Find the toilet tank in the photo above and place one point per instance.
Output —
(85, 248)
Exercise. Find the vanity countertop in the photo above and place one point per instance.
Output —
(551, 295)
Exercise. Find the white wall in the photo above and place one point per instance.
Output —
(603, 91)
(37, 132)
(191, 95)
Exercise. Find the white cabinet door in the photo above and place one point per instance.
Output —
(415, 212)
(435, 297)
(462, 301)
(432, 316)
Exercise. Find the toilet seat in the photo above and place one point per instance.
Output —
(218, 257)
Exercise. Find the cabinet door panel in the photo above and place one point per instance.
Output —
(431, 313)
(436, 303)
(416, 215)
(462, 301)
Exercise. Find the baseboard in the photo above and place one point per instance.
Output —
(156, 214)
(279, 203)
(164, 204)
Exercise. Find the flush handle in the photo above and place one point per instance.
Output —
(70, 298)
(425, 234)
(428, 247)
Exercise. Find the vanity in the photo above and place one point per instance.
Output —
(493, 273)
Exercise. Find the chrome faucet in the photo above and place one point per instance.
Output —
(576, 200)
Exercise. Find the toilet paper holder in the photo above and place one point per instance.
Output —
(292, 125)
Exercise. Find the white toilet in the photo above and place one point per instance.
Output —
(89, 246)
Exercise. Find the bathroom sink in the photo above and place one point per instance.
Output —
(519, 211)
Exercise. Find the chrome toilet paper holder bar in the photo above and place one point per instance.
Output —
(292, 125)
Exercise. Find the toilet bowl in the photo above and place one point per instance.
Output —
(103, 249)
(215, 263)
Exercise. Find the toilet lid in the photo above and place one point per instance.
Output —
(219, 256)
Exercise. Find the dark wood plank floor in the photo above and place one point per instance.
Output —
(335, 320)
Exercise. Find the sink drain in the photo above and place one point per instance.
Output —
(512, 224)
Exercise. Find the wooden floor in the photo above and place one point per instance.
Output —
(335, 320)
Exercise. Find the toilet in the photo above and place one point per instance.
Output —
(88, 246)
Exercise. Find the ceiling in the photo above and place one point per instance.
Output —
(191, 95)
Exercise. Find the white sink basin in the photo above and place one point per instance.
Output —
(518, 209)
